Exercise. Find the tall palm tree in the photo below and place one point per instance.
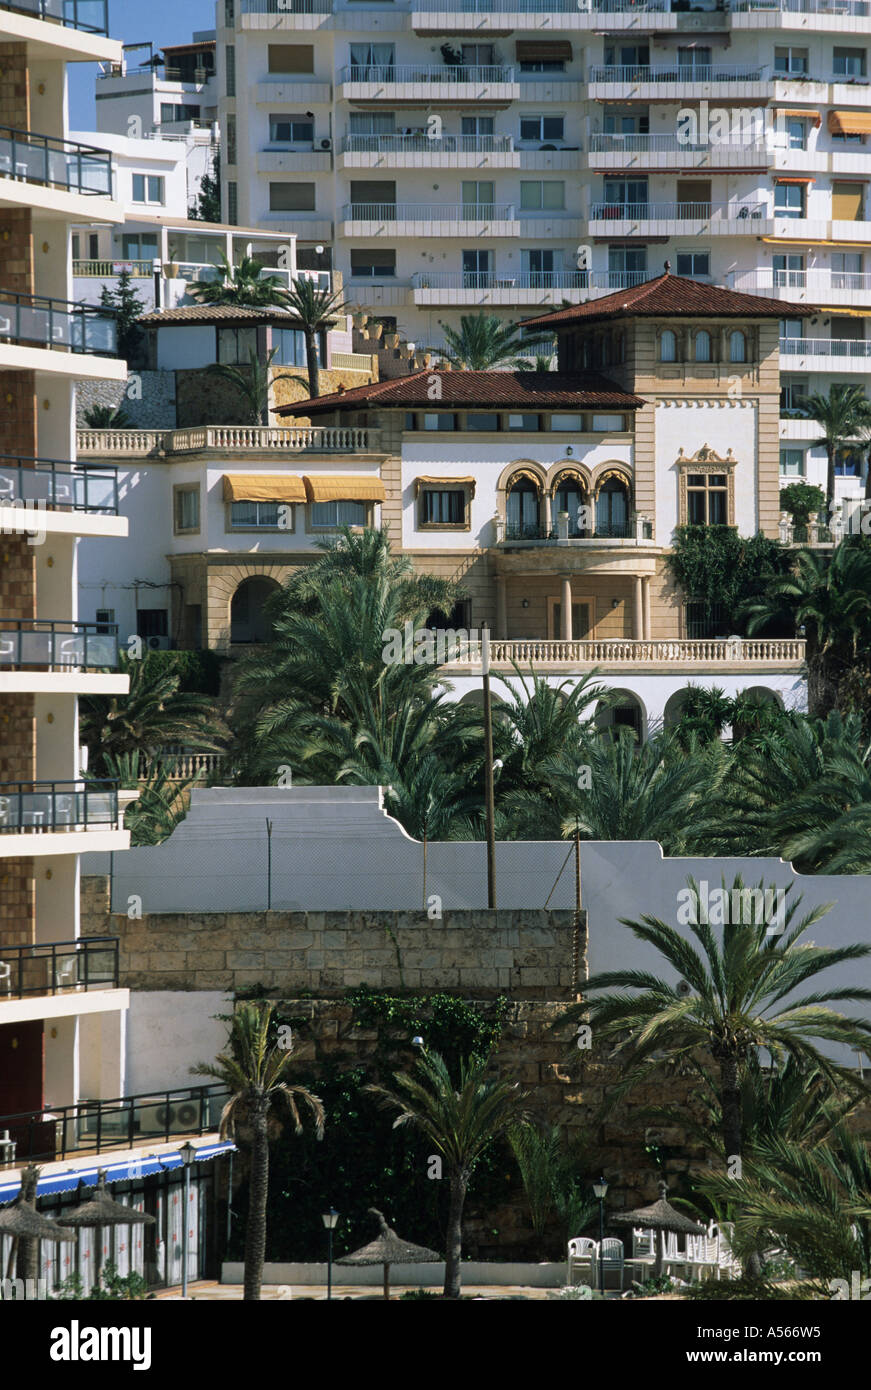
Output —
(461, 1119)
(317, 309)
(741, 996)
(841, 416)
(252, 384)
(248, 285)
(483, 342)
(254, 1071)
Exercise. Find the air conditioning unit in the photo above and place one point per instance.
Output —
(180, 1117)
(326, 144)
(158, 644)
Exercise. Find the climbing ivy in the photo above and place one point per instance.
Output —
(715, 565)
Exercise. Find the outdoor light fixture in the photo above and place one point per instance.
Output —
(524, 603)
(600, 1188)
(188, 1155)
(417, 1042)
(331, 1220)
(615, 603)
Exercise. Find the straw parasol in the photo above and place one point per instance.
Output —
(660, 1216)
(23, 1222)
(101, 1210)
(389, 1250)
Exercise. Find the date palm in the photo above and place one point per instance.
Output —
(254, 1070)
(247, 285)
(461, 1119)
(841, 415)
(317, 310)
(484, 342)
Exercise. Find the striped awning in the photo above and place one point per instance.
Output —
(344, 489)
(130, 1168)
(539, 50)
(793, 178)
(797, 114)
(263, 487)
(468, 482)
(849, 122)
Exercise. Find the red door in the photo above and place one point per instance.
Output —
(21, 1083)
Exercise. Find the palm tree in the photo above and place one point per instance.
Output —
(737, 1000)
(161, 804)
(483, 342)
(316, 309)
(247, 285)
(549, 1164)
(254, 1071)
(840, 415)
(107, 417)
(252, 384)
(460, 1120)
(427, 797)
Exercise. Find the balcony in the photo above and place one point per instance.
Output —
(829, 287)
(430, 219)
(635, 532)
(297, 439)
(108, 270)
(676, 83)
(36, 807)
(825, 354)
(674, 657)
(840, 16)
(37, 321)
(489, 85)
(489, 287)
(684, 219)
(47, 483)
(59, 967)
(95, 1126)
(89, 16)
(418, 151)
(630, 152)
(59, 164)
(503, 16)
(57, 646)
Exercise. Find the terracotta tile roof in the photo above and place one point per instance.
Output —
(467, 390)
(672, 295)
(215, 313)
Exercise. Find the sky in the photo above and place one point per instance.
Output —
(132, 21)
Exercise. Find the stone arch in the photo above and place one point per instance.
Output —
(674, 707)
(224, 581)
(611, 468)
(249, 620)
(762, 695)
(625, 709)
(523, 474)
(567, 465)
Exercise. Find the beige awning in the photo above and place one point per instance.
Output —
(345, 489)
(798, 114)
(849, 122)
(444, 482)
(539, 50)
(263, 487)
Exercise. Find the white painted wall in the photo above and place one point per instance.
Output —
(689, 426)
(168, 1032)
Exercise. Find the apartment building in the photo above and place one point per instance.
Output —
(63, 1016)
(462, 155)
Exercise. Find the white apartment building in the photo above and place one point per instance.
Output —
(464, 155)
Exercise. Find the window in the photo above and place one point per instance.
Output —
(789, 272)
(702, 346)
(694, 64)
(443, 506)
(373, 62)
(482, 420)
(139, 246)
(612, 510)
(846, 270)
(233, 202)
(371, 123)
(570, 498)
(329, 516)
(848, 201)
(544, 260)
(707, 499)
(524, 422)
(479, 55)
(149, 188)
(625, 123)
(627, 265)
(668, 346)
(187, 509)
(290, 343)
(796, 134)
(477, 125)
(252, 515)
(792, 463)
(377, 197)
(291, 130)
(542, 194)
(705, 620)
(152, 622)
(105, 620)
(229, 13)
(789, 199)
(693, 264)
(788, 59)
(439, 420)
(627, 55)
(521, 511)
(230, 61)
(291, 197)
(620, 193)
(230, 143)
(370, 265)
(477, 268)
(542, 65)
(566, 422)
(848, 463)
(478, 196)
(235, 345)
(793, 394)
(291, 57)
(737, 346)
(849, 62)
(542, 127)
(178, 112)
(608, 422)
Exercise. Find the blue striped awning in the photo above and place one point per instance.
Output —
(124, 1171)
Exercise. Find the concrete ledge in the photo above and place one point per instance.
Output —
(531, 1276)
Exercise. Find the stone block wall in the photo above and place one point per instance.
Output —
(147, 397)
(15, 87)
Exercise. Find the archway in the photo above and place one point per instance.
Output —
(249, 622)
(624, 712)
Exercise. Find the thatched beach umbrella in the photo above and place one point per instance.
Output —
(101, 1210)
(22, 1221)
(660, 1217)
(389, 1250)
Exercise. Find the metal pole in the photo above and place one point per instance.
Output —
(330, 1263)
(490, 810)
(269, 866)
(601, 1238)
(184, 1232)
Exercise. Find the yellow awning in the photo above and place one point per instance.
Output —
(444, 482)
(849, 122)
(345, 489)
(799, 114)
(263, 487)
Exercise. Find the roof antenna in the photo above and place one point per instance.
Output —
(667, 267)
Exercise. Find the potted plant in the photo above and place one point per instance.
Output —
(170, 268)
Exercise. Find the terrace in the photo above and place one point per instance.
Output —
(37, 807)
(89, 16)
(63, 164)
(57, 646)
(59, 967)
(37, 320)
(670, 657)
(52, 483)
(229, 439)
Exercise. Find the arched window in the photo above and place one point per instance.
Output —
(668, 346)
(522, 518)
(703, 346)
(612, 509)
(569, 496)
(737, 347)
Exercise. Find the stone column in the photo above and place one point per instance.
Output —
(637, 612)
(645, 607)
(501, 608)
(566, 609)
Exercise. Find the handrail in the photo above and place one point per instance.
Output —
(678, 212)
(19, 976)
(712, 651)
(56, 644)
(140, 270)
(291, 439)
(425, 72)
(682, 72)
(424, 144)
(37, 806)
(70, 13)
(825, 347)
(58, 163)
(428, 212)
(55, 483)
(49, 322)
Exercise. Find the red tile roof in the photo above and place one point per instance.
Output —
(469, 390)
(216, 313)
(670, 295)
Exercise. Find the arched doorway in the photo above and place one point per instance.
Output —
(627, 712)
(249, 622)
(612, 508)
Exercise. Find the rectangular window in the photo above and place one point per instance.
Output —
(170, 111)
(230, 143)
(291, 197)
(566, 422)
(789, 199)
(482, 420)
(187, 510)
(291, 57)
(232, 202)
(139, 246)
(291, 130)
(792, 463)
(847, 201)
(694, 264)
(373, 62)
(441, 420)
(376, 196)
(608, 422)
(543, 194)
(290, 343)
(370, 265)
(525, 423)
(250, 515)
(796, 134)
(542, 127)
(846, 270)
(793, 394)
(789, 271)
(534, 65)
(229, 13)
(105, 620)
(479, 55)
(849, 62)
(329, 516)
(478, 196)
(848, 463)
(152, 622)
(230, 60)
(788, 59)
(476, 125)
(707, 499)
(235, 345)
(149, 188)
(443, 507)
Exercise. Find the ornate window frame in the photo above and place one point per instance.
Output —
(706, 461)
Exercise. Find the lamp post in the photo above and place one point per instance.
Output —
(188, 1155)
(331, 1220)
(599, 1189)
(489, 810)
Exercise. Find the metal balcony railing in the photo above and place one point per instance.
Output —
(856, 9)
(825, 347)
(29, 318)
(496, 280)
(57, 646)
(49, 483)
(428, 212)
(285, 6)
(675, 212)
(423, 144)
(539, 6)
(90, 16)
(683, 73)
(57, 967)
(40, 806)
(606, 143)
(57, 163)
(426, 73)
(96, 1125)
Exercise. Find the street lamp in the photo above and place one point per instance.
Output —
(188, 1155)
(331, 1220)
(600, 1188)
(489, 804)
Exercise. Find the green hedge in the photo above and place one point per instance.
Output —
(200, 672)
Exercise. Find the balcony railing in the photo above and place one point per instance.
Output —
(57, 646)
(855, 9)
(90, 16)
(52, 484)
(540, 6)
(516, 533)
(683, 73)
(606, 143)
(825, 347)
(295, 439)
(105, 270)
(286, 6)
(428, 212)
(28, 318)
(676, 212)
(712, 652)
(41, 806)
(426, 73)
(494, 280)
(57, 163)
(96, 1125)
(58, 967)
(423, 144)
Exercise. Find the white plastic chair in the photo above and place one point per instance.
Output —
(610, 1259)
(582, 1255)
(643, 1242)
